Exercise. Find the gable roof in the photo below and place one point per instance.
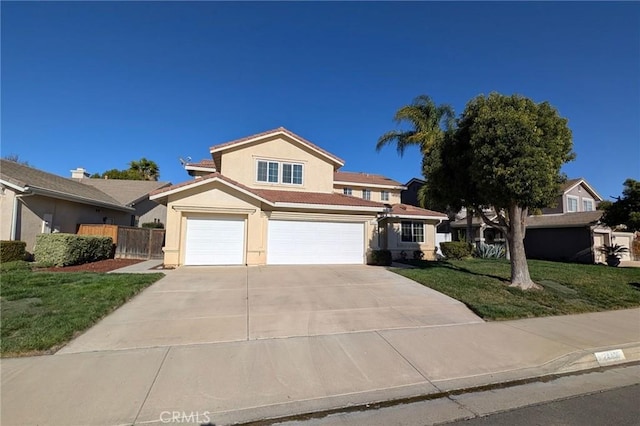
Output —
(274, 198)
(362, 178)
(409, 211)
(572, 183)
(126, 192)
(415, 180)
(30, 180)
(575, 219)
(275, 132)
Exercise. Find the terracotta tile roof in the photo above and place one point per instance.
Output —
(280, 196)
(124, 191)
(408, 210)
(275, 132)
(56, 186)
(206, 163)
(332, 199)
(364, 178)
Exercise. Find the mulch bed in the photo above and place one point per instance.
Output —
(99, 266)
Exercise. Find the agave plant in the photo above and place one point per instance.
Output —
(489, 251)
(613, 253)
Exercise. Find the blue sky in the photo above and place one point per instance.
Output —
(100, 84)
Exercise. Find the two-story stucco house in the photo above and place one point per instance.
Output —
(277, 198)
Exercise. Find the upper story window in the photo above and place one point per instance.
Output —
(366, 194)
(347, 191)
(412, 232)
(384, 195)
(587, 205)
(572, 204)
(279, 172)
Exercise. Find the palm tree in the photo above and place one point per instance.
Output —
(427, 121)
(146, 169)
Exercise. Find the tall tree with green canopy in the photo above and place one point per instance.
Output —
(506, 152)
(626, 209)
(428, 123)
(138, 170)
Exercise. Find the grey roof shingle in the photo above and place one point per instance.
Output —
(126, 192)
(548, 220)
(56, 186)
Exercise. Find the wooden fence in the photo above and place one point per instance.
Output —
(130, 242)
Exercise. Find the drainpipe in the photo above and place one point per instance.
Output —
(14, 217)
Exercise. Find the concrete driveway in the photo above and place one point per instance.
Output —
(194, 305)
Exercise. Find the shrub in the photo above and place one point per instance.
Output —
(635, 249)
(12, 250)
(381, 257)
(418, 255)
(70, 249)
(489, 251)
(158, 225)
(455, 249)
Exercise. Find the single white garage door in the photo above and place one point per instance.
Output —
(214, 241)
(308, 243)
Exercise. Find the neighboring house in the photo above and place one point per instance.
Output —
(33, 202)
(569, 231)
(131, 193)
(276, 198)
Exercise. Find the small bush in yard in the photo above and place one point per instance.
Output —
(490, 251)
(418, 255)
(156, 225)
(456, 249)
(381, 257)
(70, 249)
(12, 250)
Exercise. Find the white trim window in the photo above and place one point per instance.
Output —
(366, 194)
(271, 172)
(384, 195)
(412, 232)
(572, 204)
(587, 205)
(347, 191)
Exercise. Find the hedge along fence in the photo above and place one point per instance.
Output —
(12, 250)
(70, 249)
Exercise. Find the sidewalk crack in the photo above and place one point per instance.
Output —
(155, 378)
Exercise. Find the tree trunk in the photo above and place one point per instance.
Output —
(469, 237)
(515, 238)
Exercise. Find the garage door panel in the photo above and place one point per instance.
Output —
(299, 242)
(214, 241)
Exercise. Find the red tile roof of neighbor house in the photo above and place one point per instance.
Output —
(275, 132)
(408, 210)
(364, 178)
(280, 196)
(206, 162)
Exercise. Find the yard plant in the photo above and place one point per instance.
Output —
(41, 311)
(483, 285)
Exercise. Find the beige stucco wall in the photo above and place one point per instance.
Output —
(7, 196)
(240, 165)
(376, 193)
(66, 216)
(393, 230)
(213, 199)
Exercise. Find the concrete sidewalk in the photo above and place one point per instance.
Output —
(224, 383)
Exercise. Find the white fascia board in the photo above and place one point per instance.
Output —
(199, 182)
(327, 207)
(256, 139)
(408, 216)
(13, 185)
(589, 188)
(366, 185)
(200, 169)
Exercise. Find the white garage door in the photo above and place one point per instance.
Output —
(307, 243)
(214, 241)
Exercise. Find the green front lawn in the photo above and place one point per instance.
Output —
(43, 310)
(483, 285)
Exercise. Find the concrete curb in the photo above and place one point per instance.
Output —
(572, 364)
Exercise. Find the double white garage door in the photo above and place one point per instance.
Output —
(218, 241)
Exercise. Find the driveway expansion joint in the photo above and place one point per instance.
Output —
(155, 378)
